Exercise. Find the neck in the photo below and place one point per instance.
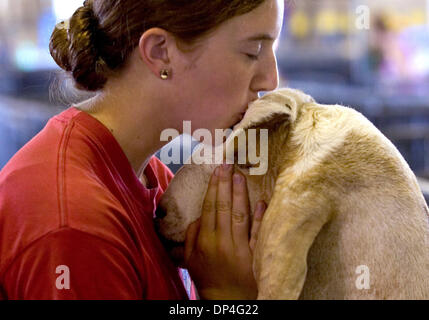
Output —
(132, 126)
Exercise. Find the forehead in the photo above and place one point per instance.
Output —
(266, 20)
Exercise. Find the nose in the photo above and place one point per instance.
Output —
(267, 76)
(160, 213)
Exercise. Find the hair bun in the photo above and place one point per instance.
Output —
(104, 33)
(75, 49)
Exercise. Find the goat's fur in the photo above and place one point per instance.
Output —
(340, 196)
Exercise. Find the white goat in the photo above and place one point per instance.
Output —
(342, 201)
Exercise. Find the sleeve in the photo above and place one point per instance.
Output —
(163, 174)
(69, 264)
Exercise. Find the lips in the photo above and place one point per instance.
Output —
(247, 107)
(241, 115)
(245, 110)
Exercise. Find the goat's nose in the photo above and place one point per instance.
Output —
(160, 213)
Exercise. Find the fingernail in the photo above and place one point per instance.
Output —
(260, 207)
(237, 178)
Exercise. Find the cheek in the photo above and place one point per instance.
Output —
(232, 84)
(218, 94)
(226, 74)
(227, 97)
(220, 90)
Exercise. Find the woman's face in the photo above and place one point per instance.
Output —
(219, 79)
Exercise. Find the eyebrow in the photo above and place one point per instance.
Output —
(260, 37)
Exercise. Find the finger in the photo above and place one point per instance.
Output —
(223, 203)
(256, 224)
(191, 239)
(208, 214)
(240, 212)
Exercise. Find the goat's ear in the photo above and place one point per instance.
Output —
(249, 135)
(269, 112)
(275, 108)
(271, 122)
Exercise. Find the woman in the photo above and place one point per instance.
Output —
(75, 220)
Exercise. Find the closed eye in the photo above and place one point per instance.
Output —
(252, 56)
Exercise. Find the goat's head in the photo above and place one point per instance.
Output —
(254, 147)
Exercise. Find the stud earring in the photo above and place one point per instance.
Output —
(165, 74)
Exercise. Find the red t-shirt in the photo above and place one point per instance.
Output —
(75, 221)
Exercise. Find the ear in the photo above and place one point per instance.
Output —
(153, 49)
(248, 143)
(275, 108)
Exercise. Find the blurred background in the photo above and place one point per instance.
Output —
(370, 55)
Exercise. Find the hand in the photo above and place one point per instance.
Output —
(218, 251)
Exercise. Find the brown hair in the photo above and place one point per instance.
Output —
(102, 33)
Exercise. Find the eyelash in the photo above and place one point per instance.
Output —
(252, 57)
